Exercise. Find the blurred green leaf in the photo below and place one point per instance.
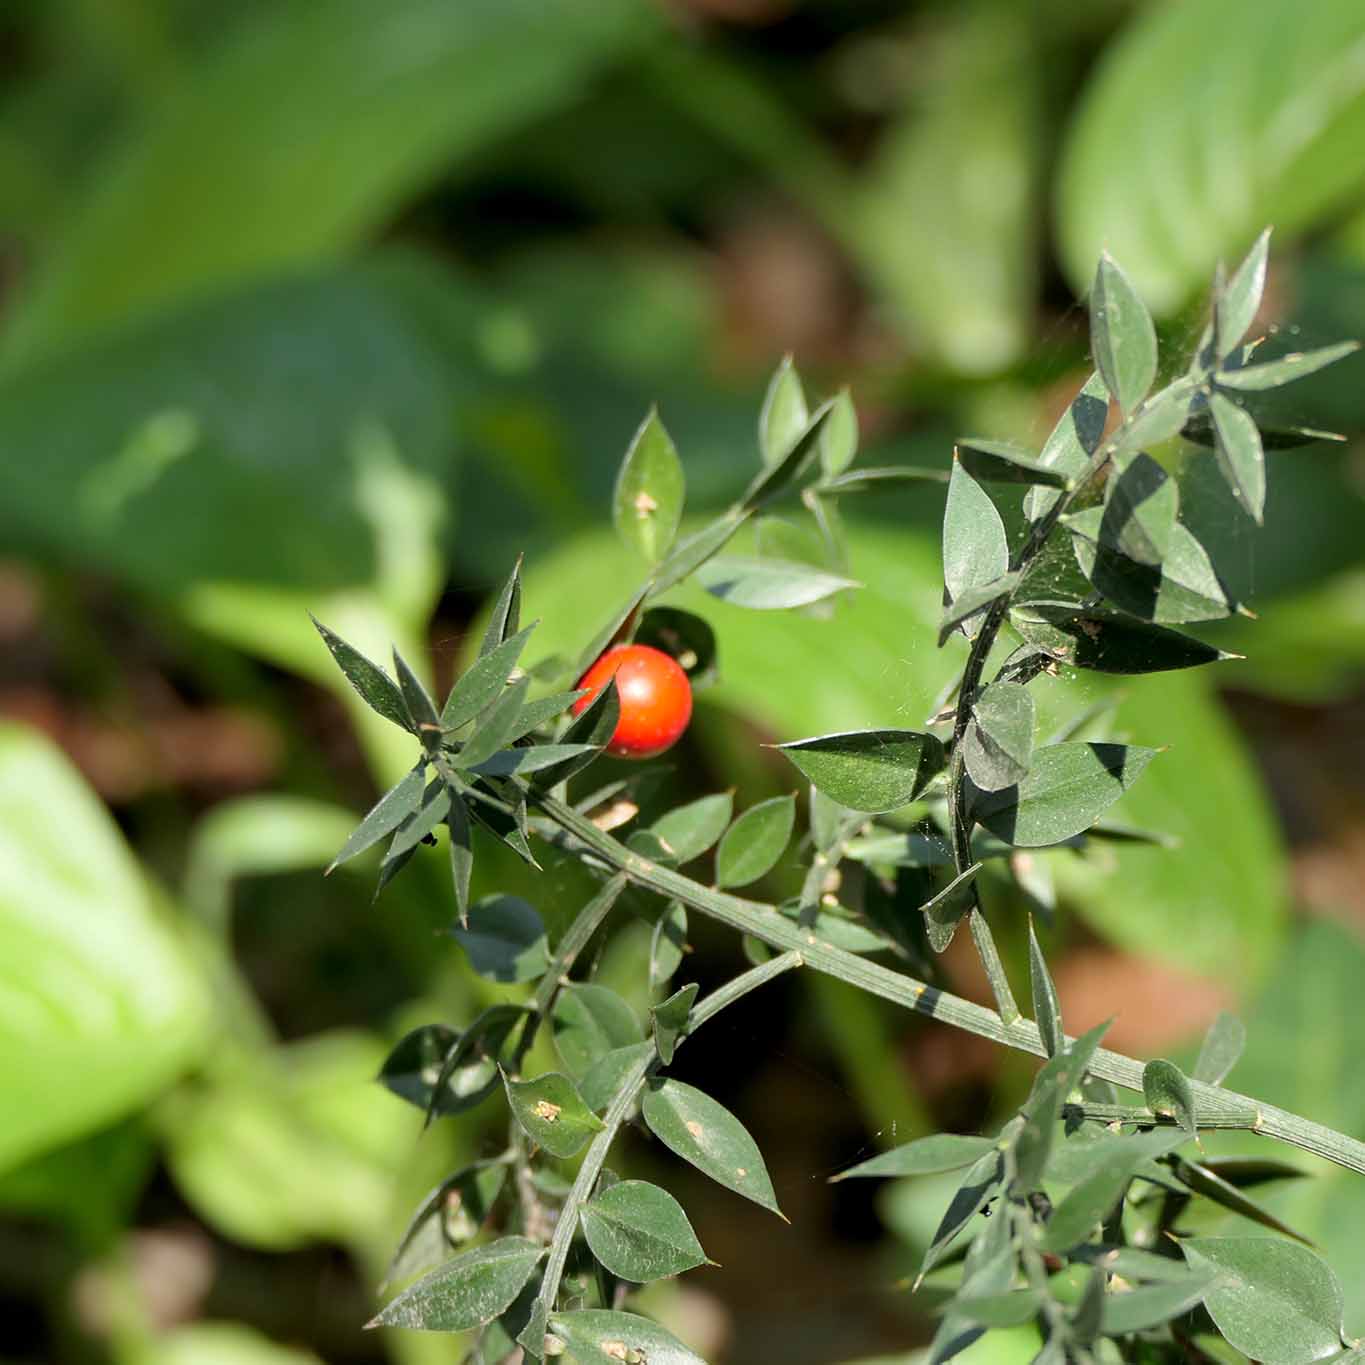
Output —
(784, 414)
(640, 1232)
(466, 1291)
(504, 939)
(590, 1021)
(702, 1131)
(450, 1215)
(1270, 374)
(1275, 101)
(1223, 1044)
(768, 584)
(839, 439)
(106, 1005)
(670, 1020)
(220, 1343)
(1275, 1301)
(1134, 1310)
(647, 504)
(923, 1156)
(868, 770)
(752, 845)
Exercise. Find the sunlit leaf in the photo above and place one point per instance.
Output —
(640, 1232)
(752, 845)
(552, 1113)
(648, 502)
(467, 1291)
(869, 770)
(1121, 335)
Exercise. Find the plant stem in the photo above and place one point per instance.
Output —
(617, 1111)
(1215, 1107)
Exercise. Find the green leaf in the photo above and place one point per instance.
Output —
(839, 439)
(944, 911)
(979, 1186)
(594, 1336)
(1240, 300)
(468, 1071)
(768, 584)
(593, 726)
(416, 699)
(640, 1232)
(466, 1291)
(375, 687)
(434, 808)
(1159, 418)
(691, 829)
(411, 1070)
(461, 855)
(872, 479)
(784, 414)
(1167, 1092)
(776, 478)
(998, 744)
(648, 502)
(1240, 457)
(1223, 1044)
(505, 939)
(1056, 1079)
(604, 1078)
(105, 1006)
(395, 806)
(1115, 1163)
(753, 844)
(1047, 1010)
(1270, 374)
(667, 944)
(688, 555)
(695, 1127)
(1121, 335)
(923, 1156)
(1008, 1309)
(972, 601)
(1068, 788)
(484, 681)
(975, 550)
(523, 761)
(552, 1113)
(999, 462)
(1140, 505)
(503, 621)
(590, 1021)
(684, 636)
(1276, 1301)
(496, 726)
(869, 770)
(1107, 642)
(1135, 1310)
(1072, 442)
(670, 1020)
(1203, 1180)
(450, 1215)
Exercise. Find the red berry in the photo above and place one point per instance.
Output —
(655, 696)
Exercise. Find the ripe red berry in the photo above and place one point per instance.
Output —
(655, 696)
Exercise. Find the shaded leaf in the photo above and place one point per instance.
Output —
(768, 584)
(552, 1113)
(469, 1073)
(869, 770)
(998, 743)
(695, 1127)
(1047, 1011)
(395, 806)
(483, 681)
(979, 1186)
(504, 938)
(999, 462)
(975, 549)
(466, 1291)
(1135, 1310)
(753, 844)
(418, 826)
(1072, 442)
(1069, 786)
(1240, 457)
(593, 726)
(778, 476)
(944, 911)
(603, 1080)
(866, 480)
(1056, 1079)
(1107, 642)
(496, 727)
(667, 944)
(923, 1156)
(648, 500)
(972, 601)
(1141, 502)
(1203, 1180)
(1161, 417)
(524, 760)
(375, 687)
(461, 854)
(1121, 335)
(451, 1214)
(589, 1021)
(670, 1020)
(505, 618)
(691, 829)
(684, 636)
(1222, 1046)
(640, 1232)
(416, 699)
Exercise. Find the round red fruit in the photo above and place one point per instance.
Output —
(655, 697)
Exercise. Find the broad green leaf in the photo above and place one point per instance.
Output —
(1275, 1300)
(691, 829)
(640, 1232)
(504, 620)
(695, 1127)
(1072, 442)
(104, 1005)
(594, 1336)
(1134, 1310)
(1090, 1202)
(460, 1078)
(504, 938)
(496, 726)
(975, 550)
(1047, 1011)
(979, 1186)
(524, 760)
(552, 1113)
(784, 414)
(434, 808)
(1140, 505)
(1270, 374)
(221, 181)
(923, 1156)
(752, 845)
(768, 584)
(1106, 641)
(1241, 76)
(667, 944)
(1069, 786)
(972, 601)
(411, 1070)
(869, 770)
(686, 556)
(466, 1291)
(998, 744)
(604, 1078)
(450, 1215)
(1241, 298)
(1167, 1092)
(1203, 1180)
(484, 681)
(998, 462)
(375, 687)
(1223, 1044)
(839, 439)
(944, 911)
(648, 502)
(589, 1021)
(670, 1020)
(1121, 335)
(1163, 415)
(777, 477)
(396, 805)
(1240, 457)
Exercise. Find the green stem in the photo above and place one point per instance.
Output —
(1213, 1104)
(617, 1112)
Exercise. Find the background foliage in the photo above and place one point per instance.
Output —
(338, 307)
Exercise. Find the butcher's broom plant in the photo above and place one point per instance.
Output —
(1072, 557)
